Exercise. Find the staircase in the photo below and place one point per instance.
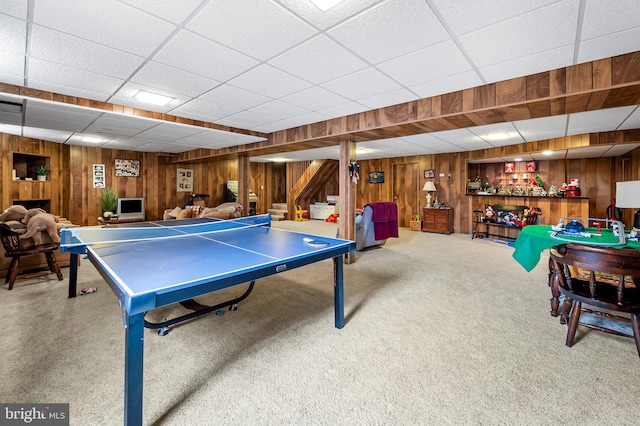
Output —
(278, 211)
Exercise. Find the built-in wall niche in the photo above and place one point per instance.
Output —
(25, 165)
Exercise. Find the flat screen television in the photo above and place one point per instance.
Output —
(130, 208)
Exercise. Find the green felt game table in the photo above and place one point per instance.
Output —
(534, 239)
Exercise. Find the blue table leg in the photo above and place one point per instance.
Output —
(133, 365)
(338, 291)
(73, 274)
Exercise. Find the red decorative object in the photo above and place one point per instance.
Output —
(530, 166)
(509, 167)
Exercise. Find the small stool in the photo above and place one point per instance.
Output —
(301, 215)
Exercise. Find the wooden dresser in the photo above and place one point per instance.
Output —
(437, 220)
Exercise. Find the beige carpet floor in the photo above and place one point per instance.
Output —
(440, 330)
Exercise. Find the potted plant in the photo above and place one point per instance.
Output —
(42, 172)
(108, 200)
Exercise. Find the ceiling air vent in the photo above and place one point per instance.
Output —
(11, 107)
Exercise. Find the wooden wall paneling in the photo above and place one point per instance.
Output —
(405, 181)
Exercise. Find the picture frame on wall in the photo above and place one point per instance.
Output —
(129, 168)
(509, 167)
(98, 176)
(184, 180)
(530, 166)
(376, 177)
(429, 173)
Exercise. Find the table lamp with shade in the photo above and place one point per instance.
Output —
(628, 196)
(429, 187)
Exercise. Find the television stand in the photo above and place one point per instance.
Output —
(106, 222)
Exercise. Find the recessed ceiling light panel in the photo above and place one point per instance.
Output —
(152, 98)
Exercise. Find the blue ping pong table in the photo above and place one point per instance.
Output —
(154, 264)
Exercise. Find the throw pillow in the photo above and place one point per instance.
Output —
(185, 214)
(197, 211)
(174, 213)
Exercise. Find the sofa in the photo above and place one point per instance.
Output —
(378, 221)
(223, 211)
(11, 216)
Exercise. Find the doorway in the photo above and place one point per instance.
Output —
(405, 191)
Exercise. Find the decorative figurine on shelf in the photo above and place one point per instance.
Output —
(553, 191)
(489, 214)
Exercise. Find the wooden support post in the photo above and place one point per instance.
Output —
(243, 183)
(347, 191)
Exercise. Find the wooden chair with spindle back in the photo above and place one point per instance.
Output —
(15, 250)
(602, 277)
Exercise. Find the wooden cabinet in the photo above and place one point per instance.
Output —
(437, 220)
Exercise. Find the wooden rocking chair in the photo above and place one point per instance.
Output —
(15, 250)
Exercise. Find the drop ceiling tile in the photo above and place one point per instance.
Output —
(610, 45)
(535, 63)
(390, 98)
(269, 81)
(587, 152)
(632, 122)
(125, 143)
(448, 84)
(431, 141)
(15, 8)
(50, 117)
(315, 60)
(107, 22)
(59, 136)
(120, 125)
(245, 120)
(621, 149)
(323, 20)
(60, 48)
(198, 55)
(274, 126)
(462, 138)
(207, 111)
(543, 29)
(315, 98)
(432, 63)
(169, 132)
(279, 109)
(598, 121)
(602, 17)
(234, 97)
(554, 155)
(362, 84)
(538, 129)
(13, 35)
(310, 117)
(390, 29)
(171, 11)
(253, 28)
(344, 109)
(60, 78)
(464, 16)
(164, 77)
(12, 68)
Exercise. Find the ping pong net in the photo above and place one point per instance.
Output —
(89, 236)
